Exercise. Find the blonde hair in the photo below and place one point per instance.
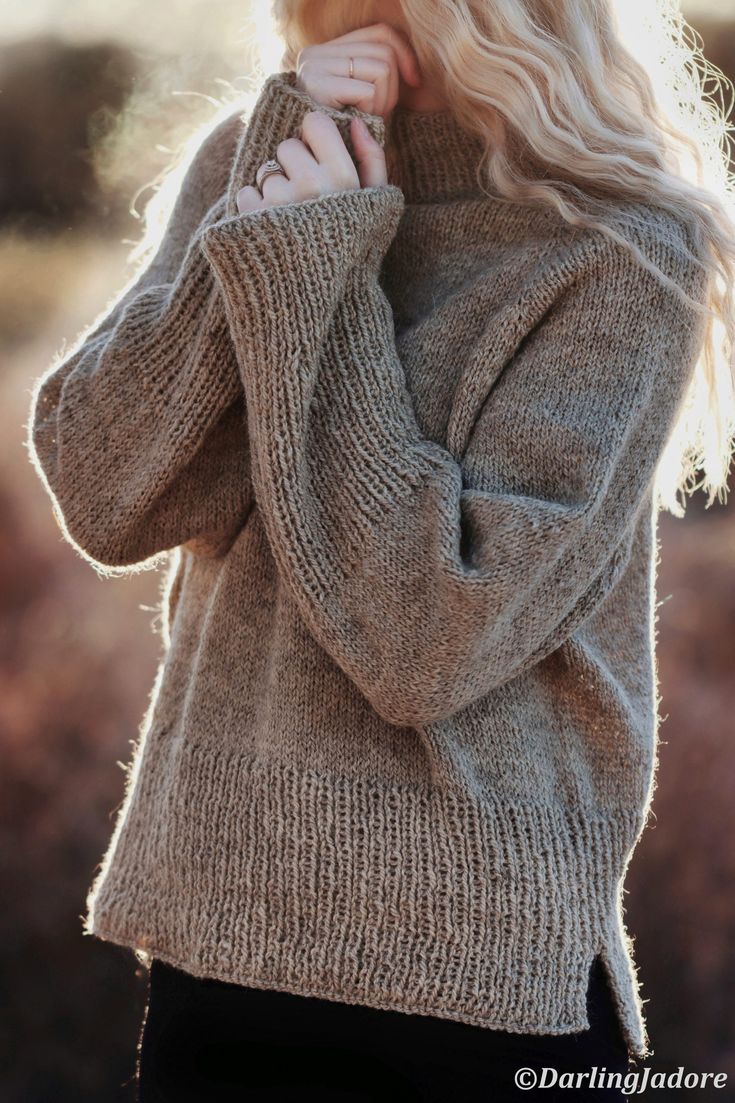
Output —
(580, 102)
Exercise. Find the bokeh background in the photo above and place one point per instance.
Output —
(95, 100)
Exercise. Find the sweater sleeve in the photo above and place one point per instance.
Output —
(139, 433)
(434, 576)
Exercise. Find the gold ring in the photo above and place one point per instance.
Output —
(268, 168)
(352, 67)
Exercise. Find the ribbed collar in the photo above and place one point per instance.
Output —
(436, 159)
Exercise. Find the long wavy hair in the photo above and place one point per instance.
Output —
(580, 102)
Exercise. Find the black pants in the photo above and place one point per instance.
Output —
(207, 1041)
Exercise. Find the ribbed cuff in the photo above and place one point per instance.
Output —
(307, 247)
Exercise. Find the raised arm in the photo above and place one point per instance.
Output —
(432, 578)
(139, 434)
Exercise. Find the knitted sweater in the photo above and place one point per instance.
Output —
(399, 443)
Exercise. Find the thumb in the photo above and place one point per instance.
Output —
(369, 155)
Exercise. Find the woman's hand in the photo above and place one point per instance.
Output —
(318, 165)
(321, 163)
(380, 55)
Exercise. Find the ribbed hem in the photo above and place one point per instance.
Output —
(396, 897)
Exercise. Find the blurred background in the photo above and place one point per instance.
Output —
(95, 100)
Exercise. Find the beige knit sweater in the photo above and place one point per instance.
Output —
(400, 443)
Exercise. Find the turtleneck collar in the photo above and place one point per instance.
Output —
(435, 158)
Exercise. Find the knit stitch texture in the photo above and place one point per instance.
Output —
(398, 444)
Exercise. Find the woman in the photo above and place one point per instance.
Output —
(423, 350)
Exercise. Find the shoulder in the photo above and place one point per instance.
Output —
(207, 163)
(639, 291)
(642, 290)
(189, 192)
(649, 270)
(186, 196)
(539, 253)
(649, 233)
(657, 232)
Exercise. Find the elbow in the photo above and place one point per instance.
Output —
(88, 516)
(413, 701)
(104, 545)
(410, 717)
(93, 526)
(114, 551)
(403, 712)
(417, 687)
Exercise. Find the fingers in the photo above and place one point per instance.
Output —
(277, 190)
(296, 160)
(381, 74)
(369, 155)
(342, 92)
(249, 199)
(323, 138)
(317, 165)
(406, 59)
(373, 86)
(380, 54)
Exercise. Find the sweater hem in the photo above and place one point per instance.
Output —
(337, 995)
(408, 898)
